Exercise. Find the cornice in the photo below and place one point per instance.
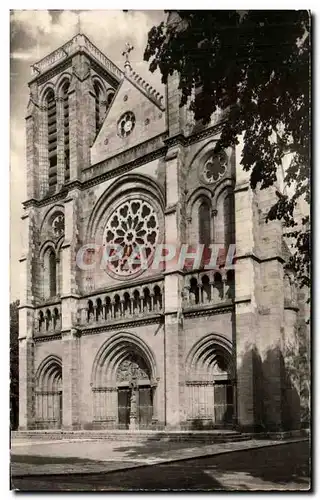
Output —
(183, 140)
(50, 73)
(213, 310)
(124, 168)
(83, 185)
(104, 73)
(120, 286)
(95, 329)
(47, 338)
(259, 260)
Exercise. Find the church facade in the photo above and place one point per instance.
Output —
(116, 345)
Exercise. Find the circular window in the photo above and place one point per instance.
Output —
(134, 228)
(126, 124)
(58, 225)
(215, 168)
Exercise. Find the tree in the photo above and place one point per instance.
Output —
(298, 366)
(14, 364)
(255, 67)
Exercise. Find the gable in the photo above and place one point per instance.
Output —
(149, 122)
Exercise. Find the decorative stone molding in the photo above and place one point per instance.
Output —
(127, 324)
(209, 311)
(48, 338)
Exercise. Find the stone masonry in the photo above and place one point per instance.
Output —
(164, 347)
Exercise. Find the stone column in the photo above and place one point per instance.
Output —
(33, 146)
(69, 305)
(173, 286)
(81, 117)
(259, 307)
(133, 425)
(71, 418)
(26, 325)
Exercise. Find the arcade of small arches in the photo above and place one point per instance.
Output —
(126, 386)
(131, 303)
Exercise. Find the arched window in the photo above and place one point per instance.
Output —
(229, 220)
(59, 271)
(52, 274)
(204, 224)
(65, 90)
(52, 138)
(109, 99)
(98, 99)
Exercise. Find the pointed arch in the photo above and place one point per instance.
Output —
(204, 216)
(199, 214)
(210, 381)
(63, 78)
(48, 393)
(43, 93)
(109, 97)
(48, 261)
(229, 219)
(125, 185)
(113, 352)
(99, 97)
(50, 214)
(49, 374)
(206, 353)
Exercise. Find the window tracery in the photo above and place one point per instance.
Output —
(214, 168)
(58, 225)
(134, 226)
(126, 124)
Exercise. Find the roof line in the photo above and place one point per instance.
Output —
(146, 88)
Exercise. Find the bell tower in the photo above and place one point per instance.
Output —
(59, 131)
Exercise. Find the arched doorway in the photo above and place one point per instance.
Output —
(48, 394)
(210, 383)
(124, 384)
(135, 394)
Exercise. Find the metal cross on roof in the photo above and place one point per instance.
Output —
(126, 53)
(127, 50)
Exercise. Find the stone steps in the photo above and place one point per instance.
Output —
(208, 437)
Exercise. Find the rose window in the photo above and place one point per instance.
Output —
(215, 168)
(58, 225)
(126, 124)
(134, 227)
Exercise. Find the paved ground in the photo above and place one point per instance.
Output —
(89, 464)
(77, 456)
(280, 467)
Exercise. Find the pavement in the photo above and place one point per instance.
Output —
(90, 457)
(279, 467)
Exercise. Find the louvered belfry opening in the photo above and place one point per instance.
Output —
(97, 91)
(52, 139)
(65, 91)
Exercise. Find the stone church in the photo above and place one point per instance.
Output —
(121, 346)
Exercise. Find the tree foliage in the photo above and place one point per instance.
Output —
(255, 67)
(14, 364)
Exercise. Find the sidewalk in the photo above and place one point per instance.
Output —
(88, 457)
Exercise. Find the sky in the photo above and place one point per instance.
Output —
(33, 35)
